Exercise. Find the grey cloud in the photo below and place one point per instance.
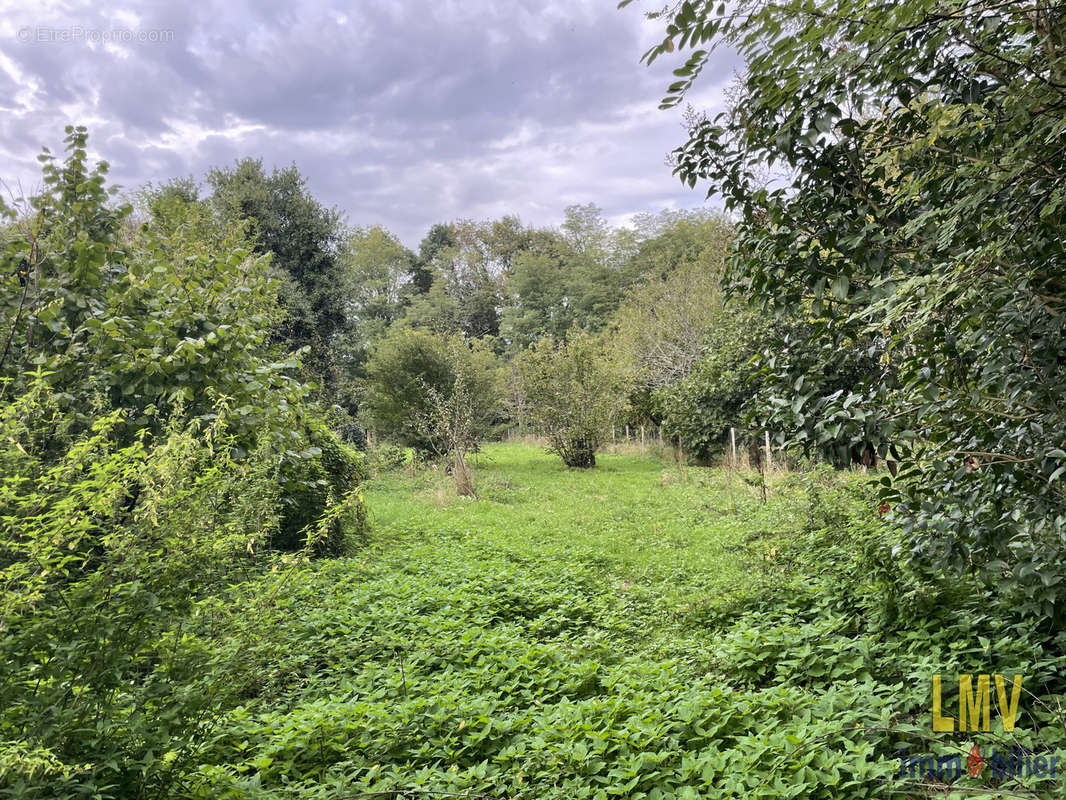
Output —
(400, 113)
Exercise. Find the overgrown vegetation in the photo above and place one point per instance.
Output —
(615, 632)
(916, 216)
(154, 447)
(192, 605)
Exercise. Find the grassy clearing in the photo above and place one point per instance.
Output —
(567, 634)
(633, 521)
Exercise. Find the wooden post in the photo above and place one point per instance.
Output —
(642, 440)
(627, 433)
(769, 458)
(732, 468)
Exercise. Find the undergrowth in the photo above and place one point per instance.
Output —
(619, 634)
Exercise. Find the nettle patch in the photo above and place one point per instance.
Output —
(469, 654)
(446, 668)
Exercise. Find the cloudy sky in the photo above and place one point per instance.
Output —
(400, 112)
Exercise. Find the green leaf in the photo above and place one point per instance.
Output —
(840, 287)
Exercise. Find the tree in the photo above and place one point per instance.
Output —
(917, 212)
(436, 239)
(58, 259)
(585, 229)
(661, 329)
(596, 266)
(302, 237)
(411, 372)
(562, 278)
(159, 201)
(455, 419)
(537, 292)
(376, 269)
(465, 293)
(572, 393)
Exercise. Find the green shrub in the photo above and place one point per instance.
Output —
(385, 457)
(348, 429)
(699, 409)
(573, 395)
(835, 500)
(103, 550)
(154, 447)
(410, 369)
(312, 480)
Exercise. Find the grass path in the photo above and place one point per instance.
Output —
(634, 520)
(542, 641)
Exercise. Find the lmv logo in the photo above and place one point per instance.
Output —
(975, 704)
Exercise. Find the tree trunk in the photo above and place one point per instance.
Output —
(464, 481)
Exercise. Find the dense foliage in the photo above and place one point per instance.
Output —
(303, 239)
(660, 330)
(917, 212)
(180, 379)
(154, 447)
(412, 371)
(699, 409)
(604, 634)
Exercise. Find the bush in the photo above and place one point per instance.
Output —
(312, 481)
(573, 395)
(411, 370)
(169, 322)
(699, 409)
(349, 430)
(155, 445)
(385, 457)
(103, 548)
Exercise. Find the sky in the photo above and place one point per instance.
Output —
(400, 113)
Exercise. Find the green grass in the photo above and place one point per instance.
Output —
(543, 640)
(687, 533)
(620, 632)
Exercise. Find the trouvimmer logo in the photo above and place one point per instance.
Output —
(975, 714)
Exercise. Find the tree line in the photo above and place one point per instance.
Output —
(561, 330)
